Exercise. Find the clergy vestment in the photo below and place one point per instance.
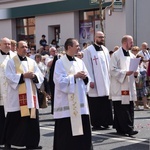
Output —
(123, 91)
(96, 59)
(3, 89)
(51, 81)
(22, 130)
(72, 126)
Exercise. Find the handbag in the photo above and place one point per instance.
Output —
(42, 98)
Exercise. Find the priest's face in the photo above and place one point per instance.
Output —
(130, 43)
(22, 48)
(75, 48)
(99, 38)
(5, 45)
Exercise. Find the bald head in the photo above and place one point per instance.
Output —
(52, 51)
(97, 33)
(5, 44)
(144, 46)
(20, 43)
(99, 38)
(22, 48)
(127, 42)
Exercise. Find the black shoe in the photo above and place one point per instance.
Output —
(7, 146)
(120, 132)
(32, 147)
(94, 128)
(132, 133)
(105, 127)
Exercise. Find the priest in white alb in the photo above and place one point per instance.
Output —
(22, 122)
(71, 114)
(5, 55)
(96, 58)
(123, 90)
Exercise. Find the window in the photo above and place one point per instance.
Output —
(89, 24)
(26, 30)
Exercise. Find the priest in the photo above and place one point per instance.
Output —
(123, 90)
(72, 125)
(5, 55)
(96, 58)
(22, 122)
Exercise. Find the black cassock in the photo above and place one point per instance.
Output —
(2, 123)
(100, 111)
(22, 131)
(51, 82)
(63, 139)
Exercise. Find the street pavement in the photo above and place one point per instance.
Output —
(102, 139)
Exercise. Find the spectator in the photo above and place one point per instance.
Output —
(32, 53)
(79, 55)
(43, 41)
(13, 45)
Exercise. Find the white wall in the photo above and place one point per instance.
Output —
(134, 20)
(115, 28)
(143, 22)
(68, 26)
(6, 28)
(129, 12)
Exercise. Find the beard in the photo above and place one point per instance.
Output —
(100, 42)
(130, 47)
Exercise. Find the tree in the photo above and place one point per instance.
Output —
(101, 15)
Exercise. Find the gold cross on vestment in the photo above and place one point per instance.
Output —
(125, 92)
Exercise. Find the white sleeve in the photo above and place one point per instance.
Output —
(63, 81)
(11, 75)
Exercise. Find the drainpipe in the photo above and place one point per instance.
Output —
(135, 21)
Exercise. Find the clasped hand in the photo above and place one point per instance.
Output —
(29, 75)
(80, 74)
(128, 73)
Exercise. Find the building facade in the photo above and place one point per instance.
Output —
(61, 19)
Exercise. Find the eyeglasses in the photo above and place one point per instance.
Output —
(100, 37)
(78, 55)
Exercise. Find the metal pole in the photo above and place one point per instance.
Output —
(135, 21)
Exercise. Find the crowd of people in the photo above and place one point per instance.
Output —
(84, 86)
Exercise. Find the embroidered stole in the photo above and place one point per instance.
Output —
(23, 91)
(125, 91)
(74, 103)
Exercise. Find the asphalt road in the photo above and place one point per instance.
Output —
(103, 139)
